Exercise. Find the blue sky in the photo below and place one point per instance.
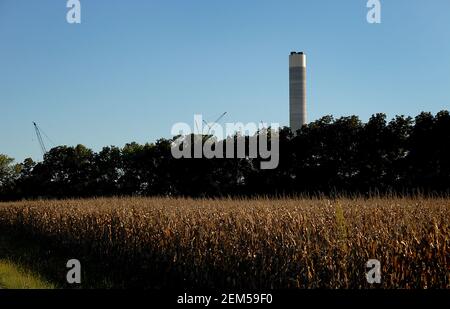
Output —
(133, 68)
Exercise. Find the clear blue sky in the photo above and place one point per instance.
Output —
(133, 68)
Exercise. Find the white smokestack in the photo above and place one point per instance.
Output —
(297, 90)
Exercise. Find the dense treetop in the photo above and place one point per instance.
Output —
(327, 156)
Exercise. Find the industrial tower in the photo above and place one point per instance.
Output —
(297, 90)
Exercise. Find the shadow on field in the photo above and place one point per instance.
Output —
(49, 262)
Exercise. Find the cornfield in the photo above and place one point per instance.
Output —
(239, 243)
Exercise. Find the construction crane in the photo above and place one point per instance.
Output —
(39, 133)
(214, 123)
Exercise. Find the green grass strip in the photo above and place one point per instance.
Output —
(13, 276)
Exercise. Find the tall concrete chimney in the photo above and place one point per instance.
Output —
(297, 90)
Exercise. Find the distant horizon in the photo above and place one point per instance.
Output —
(47, 138)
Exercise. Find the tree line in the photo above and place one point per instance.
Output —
(329, 156)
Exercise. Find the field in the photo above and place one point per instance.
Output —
(232, 243)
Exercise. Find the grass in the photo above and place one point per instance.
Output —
(234, 243)
(13, 276)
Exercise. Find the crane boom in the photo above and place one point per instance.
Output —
(221, 116)
(214, 123)
(39, 137)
